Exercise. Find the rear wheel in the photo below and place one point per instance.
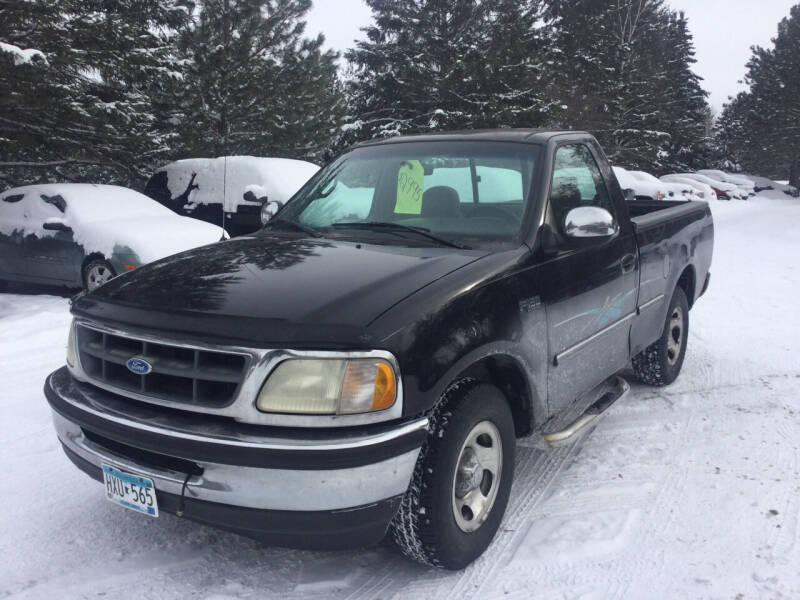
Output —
(96, 272)
(462, 480)
(661, 362)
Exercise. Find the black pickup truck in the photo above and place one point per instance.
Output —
(364, 364)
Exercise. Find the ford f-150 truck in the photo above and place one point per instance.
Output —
(363, 365)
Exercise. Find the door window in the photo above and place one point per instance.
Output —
(577, 182)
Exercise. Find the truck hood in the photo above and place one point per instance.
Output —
(269, 289)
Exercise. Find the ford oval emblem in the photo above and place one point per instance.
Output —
(138, 366)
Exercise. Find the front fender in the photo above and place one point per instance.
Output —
(475, 314)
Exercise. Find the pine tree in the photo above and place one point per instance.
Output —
(624, 73)
(89, 110)
(253, 84)
(680, 99)
(444, 64)
(760, 128)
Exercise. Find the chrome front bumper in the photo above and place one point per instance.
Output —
(240, 466)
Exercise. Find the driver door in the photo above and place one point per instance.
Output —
(51, 254)
(12, 253)
(590, 287)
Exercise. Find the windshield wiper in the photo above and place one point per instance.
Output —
(294, 224)
(398, 228)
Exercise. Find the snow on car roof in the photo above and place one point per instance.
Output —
(103, 218)
(95, 202)
(276, 178)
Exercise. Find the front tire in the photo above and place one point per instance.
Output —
(660, 363)
(462, 480)
(96, 272)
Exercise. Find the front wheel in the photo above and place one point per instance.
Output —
(661, 362)
(97, 272)
(462, 480)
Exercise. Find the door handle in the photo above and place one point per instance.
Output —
(627, 263)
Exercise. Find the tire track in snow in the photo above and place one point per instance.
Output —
(783, 538)
(544, 470)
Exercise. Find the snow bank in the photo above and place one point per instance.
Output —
(276, 178)
(104, 218)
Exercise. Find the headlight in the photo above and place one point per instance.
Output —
(327, 386)
(71, 346)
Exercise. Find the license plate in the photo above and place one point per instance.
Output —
(130, 491)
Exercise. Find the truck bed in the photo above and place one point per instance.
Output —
(646, 214)
(675, 240)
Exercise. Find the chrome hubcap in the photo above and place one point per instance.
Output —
(98, 275)
(675, 337)
(477, 476)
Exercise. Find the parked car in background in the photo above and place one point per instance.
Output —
(791, 190)
(671, 190)
(782, 186)
(233, 188)
(642, 190)
(760, 183)
(724, 190)
(82, 235)
(647, 187)
(702, 190)
(745, 185)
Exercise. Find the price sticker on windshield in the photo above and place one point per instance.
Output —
(410, 184)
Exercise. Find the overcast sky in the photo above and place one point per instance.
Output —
(723, 32)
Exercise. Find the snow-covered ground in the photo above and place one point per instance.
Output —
(690, 491)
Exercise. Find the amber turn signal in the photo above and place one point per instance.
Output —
(384, 394)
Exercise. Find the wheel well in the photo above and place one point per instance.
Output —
(94, 256)
(687, 281)
(507, 375)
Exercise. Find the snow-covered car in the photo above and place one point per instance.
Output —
(671, 190)
(76, 234)
(764, 183)
(760, 183)
(723, 189)
(702, 190)
(791, 190)
(745, 185)
(233, 188)
(641, 187)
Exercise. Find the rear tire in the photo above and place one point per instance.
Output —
(660, 363)
(462, 480)
(96, 272)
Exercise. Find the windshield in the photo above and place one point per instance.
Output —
(466, 193)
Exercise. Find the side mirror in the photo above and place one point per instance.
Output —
(268, 209)
(56, 225)
(249, 196)
(589, 222)
(630, 195)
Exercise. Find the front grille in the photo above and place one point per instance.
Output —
(183, 375)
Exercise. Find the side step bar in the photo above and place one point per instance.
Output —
(618, 389)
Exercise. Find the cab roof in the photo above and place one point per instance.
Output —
(530, 136)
